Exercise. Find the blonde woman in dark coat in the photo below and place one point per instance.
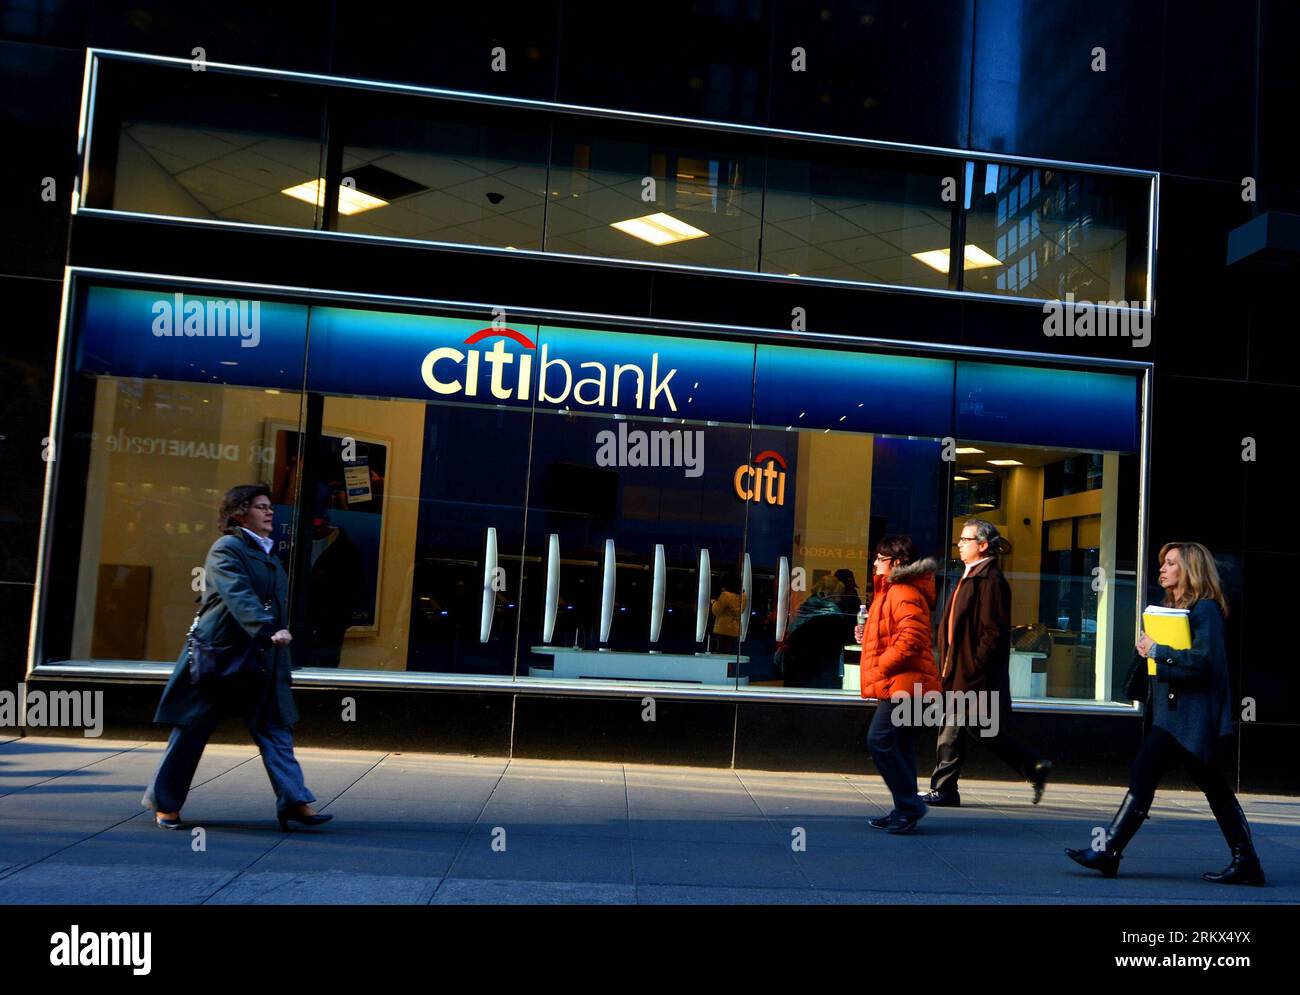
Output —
(1191, 711)
(245, 601)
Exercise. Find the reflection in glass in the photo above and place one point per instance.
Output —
(666, 522)
(845, 492)
(1045, 233)
(162, 455)
(858, 216)
(454, 502)
(445, 173)
(195, 145)
(677, 197)
(211, 145)
(1072, 583)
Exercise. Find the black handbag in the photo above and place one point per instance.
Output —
(223, 665)
(1138, 684)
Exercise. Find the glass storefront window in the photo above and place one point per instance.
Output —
(474, 176)
(1072, 579)
(1045, 233)
(162, 456)
(858, 216)
(537, 503)
(201, 145)
(220, 146)
(656, 195)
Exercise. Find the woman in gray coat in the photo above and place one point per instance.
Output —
(1191, 710)
(245, 601)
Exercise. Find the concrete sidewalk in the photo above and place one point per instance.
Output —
(416, 829)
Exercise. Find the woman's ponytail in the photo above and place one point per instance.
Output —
(999, 545)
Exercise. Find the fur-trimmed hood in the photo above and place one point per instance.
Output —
(919, 574)
(910, 573)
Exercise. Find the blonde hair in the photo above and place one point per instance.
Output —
(1200, 576)
(828, 586)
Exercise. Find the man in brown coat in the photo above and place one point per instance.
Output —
(975, 655)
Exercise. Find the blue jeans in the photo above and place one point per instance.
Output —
(893, 748)
(171, 783)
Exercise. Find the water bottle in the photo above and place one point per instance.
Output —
(862, 620)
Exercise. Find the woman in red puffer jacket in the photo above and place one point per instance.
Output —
(897, 659)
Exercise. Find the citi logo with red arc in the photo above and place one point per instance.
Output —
(511, 380)
(761, 481)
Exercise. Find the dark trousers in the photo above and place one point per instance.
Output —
(955, 739)
(171, 783)
(1160, 751)
(893, 748)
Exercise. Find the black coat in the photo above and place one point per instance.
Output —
(1191, 696)
(241, 581)
(981, 635)
(814, 644)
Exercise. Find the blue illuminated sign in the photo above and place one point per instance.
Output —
(180, 335)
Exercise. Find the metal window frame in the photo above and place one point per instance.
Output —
(87, 120)
(75, 275)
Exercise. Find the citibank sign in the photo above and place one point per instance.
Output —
(762, 482)
(449, 371)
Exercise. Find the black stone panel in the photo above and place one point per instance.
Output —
(451, 45)
(1267, 663)
(1198, 478)
(242, 32)
(26, 380)
(826, 310)
(1201, 327)
(38, 118)
(1034, 90)
(1266, 758)
(693, 733)
(897, 70)
(425, 722)
(698, 59)
(16, 614)
(1270, 418)
(1203, 130)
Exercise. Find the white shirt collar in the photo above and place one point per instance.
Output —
(969, 566)
(267, 544)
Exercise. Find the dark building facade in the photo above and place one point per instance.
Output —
(581, 355)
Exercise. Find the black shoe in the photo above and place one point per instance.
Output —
(1244, 869)
(1042, 771)
(883, 822)
(298, 815)
(1097, 860)
(162, 823)
(901, 824)
(943, 799)
(1122, 829)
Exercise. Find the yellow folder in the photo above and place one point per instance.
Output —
(1168, 627)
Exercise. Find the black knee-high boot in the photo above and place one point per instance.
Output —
(1122, 829)
(1245, 867)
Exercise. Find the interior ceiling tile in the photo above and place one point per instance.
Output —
(188, 144)
(275, 209)
(218, 191)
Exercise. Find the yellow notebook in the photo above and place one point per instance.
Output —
(1168, 627)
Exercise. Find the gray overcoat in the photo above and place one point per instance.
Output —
(246, 596)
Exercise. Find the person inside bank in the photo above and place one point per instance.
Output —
(235, 662)
(726, 609)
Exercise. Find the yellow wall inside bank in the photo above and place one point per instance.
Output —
(160, 510)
